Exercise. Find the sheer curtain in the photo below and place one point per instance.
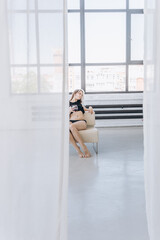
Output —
(152, 116)
(34, 120)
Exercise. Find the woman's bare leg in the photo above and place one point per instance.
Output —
(73, 142)
(74, 128)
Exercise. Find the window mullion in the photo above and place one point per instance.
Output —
(82, 33)
(37, 43)
(128, 31)
(28, 45)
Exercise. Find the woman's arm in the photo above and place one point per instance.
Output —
(90, 109)
(71, 110)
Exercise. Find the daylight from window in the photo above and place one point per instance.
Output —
(105, 40)
(105, 46)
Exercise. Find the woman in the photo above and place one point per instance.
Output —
(77, 121)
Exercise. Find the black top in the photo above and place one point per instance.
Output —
(79, 104)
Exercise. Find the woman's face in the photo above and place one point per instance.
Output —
(79, 95)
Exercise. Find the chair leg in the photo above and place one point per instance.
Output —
(95, 148)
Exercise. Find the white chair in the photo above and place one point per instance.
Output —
(90, 134)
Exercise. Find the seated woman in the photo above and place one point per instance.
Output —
(77, 122)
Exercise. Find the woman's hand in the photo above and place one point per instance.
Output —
(90, 110)
(70, 110)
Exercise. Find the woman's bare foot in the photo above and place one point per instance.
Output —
(87, 153)
(81, 154)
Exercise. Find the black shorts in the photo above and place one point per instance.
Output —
(73, 121)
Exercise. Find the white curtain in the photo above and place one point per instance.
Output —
(152, 116)
(33, 120)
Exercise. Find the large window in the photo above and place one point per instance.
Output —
(106, 45)
(36, 48)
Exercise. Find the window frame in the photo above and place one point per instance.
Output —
(128, 62)
(37, 65)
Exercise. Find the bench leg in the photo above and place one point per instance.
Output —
(95, 148)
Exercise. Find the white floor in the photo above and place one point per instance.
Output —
(106, 193)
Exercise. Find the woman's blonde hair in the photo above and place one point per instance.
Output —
(75, 91)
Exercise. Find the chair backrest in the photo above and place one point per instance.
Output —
(90, 118)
